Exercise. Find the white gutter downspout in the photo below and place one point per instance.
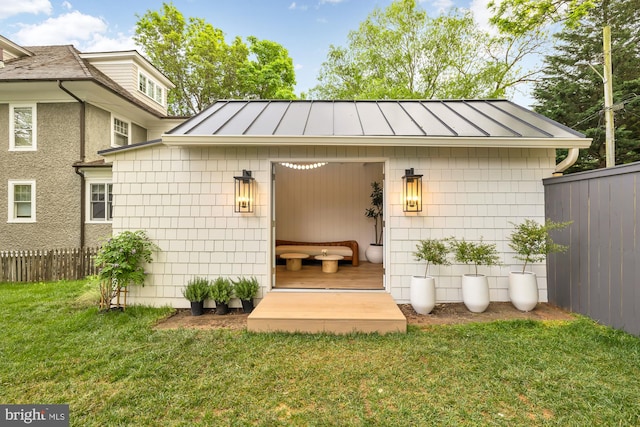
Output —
(572, 157)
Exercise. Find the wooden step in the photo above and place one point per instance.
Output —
(329, 312)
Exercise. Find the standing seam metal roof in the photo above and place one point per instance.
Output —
(428, 118)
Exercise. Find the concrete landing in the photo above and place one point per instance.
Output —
(329, 312)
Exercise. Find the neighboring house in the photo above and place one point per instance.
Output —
(482, 164)
(58, 108)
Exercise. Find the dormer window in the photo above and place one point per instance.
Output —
(150, 88)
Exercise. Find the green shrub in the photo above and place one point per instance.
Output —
(246, 288)
(221, 290)
(532, 241)
(121, 259)
(476, 253)
(433, 251)
(121, 262)
(197, 289)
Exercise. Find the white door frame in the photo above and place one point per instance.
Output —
(272, 216)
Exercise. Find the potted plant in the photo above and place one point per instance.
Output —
(423, 288)
(374, 251)
(221, 291)
(532, 243)
(246, 289)
(196, 292)
(475, 287)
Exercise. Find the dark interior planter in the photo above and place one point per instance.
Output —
(197, 308)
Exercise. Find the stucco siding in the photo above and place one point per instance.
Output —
(57, 185)
(4, 133)
(138, 133)
(98, 135)
(99, 131)
(5, 173)
(183, 198)
(96, 234)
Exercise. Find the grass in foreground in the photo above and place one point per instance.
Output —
(114, 369)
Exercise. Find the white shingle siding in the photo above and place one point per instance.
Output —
(183, 198)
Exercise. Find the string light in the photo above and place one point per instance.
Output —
(303, 166)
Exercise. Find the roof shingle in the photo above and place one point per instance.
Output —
(51, 63)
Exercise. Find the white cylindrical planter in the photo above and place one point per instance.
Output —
(374, 254)
(423, 294)
(475, 292)
(523, 290)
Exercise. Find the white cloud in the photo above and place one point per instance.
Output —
(67, 5)
(331, 1)
(296, 6)
(298, 67)
(479, 9)
(100, 43)
(87, 33)
(441, 5)
(72, 27)
(12, 7)
(481, 14)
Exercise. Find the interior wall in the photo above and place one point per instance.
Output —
(326, 204)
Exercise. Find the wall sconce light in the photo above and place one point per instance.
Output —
(244, 192)
(411, 191)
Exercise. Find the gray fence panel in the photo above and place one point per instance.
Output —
(599, 276)
(631, 304)
(599, 245)
(617, 239)
(580, 279)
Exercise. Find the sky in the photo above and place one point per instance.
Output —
(306, 28)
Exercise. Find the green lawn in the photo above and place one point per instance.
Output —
(114, 369)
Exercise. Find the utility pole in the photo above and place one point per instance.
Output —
(610, 143)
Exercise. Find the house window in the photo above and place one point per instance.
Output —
(22, 128)
(101, 202)
(120, 132)
(159, 95)
(143, 83)
(22, 201)
(150, 88)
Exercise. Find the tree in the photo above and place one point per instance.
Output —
(572, 92)
(196, 58)
(401, 53)
(519, 17)
(270, 75)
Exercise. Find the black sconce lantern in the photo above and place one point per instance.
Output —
(244, 192)
(411, 191)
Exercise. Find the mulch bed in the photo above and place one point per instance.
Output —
(442, 314)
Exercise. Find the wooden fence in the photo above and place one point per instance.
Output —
(47, 265)
(599, 275)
